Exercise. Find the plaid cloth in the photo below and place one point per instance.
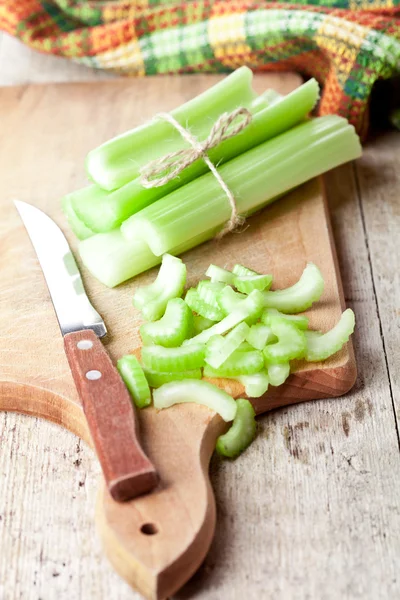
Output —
(347, 45)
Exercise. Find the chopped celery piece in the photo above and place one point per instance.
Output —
(199, 392)
(152, 299)
(241, 433)
(119, 160)
(242, 271)
(173, 360)
(278, 373)
(238, 363)
(255, 178)
(78, 227)
(299, 296)
(245, 346)
(218, 274)
(157, 378)
(228, 299)
(216, 355)
(291, 342)
(255, 385)
(175, 326)
(208, 291)
(260, 335)
(135, 380)
(320, 347)
(201, 323)
(300, 321)
(251, 306)
(201, 307)
(248, 283)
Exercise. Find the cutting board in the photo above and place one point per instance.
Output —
(155, 542)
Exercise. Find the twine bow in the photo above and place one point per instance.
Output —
(162, 170)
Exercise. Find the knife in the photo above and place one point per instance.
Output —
(106, 401)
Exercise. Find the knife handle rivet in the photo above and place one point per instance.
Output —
(84, 344)
(93, 375)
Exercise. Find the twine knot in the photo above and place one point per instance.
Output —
(160, 171)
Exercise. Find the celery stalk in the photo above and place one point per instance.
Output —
(119, 160)
(103, 211)
(78, 227)
(255, 178)
(112, 259)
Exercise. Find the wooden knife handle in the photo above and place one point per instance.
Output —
(110, 416)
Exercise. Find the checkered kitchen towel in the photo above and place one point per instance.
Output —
(346, 44)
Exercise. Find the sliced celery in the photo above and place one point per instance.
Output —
(199, 392)
(173, 360)
(242, 271)
(291, 342)
(175, 326)
(158, 378)
(208, 291)
(239, 363)
(217, 274)
(248, 283)
(241, 433)
(78, 227)
(193, 300)
(228, 299)
(135, 380)
(255, 178)
(119, 160)
(278, 373)
(201, 323)
(301, 321)
(299, 296)
(152, 300)
(255, 385)
(251, 306)
(320, 347)
(217, 354)
(260, 335)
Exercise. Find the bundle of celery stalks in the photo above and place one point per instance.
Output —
(126, 228)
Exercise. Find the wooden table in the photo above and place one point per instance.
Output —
(327, 481)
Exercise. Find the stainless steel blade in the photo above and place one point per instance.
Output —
(71, 304)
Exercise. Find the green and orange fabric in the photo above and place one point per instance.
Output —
(346, 44)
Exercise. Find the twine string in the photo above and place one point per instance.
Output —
(160, 171)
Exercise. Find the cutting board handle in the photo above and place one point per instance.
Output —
(110, 416)
(158, 541)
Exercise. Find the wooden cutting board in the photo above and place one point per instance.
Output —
(155, 542)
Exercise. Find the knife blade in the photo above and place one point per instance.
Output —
(106, 401)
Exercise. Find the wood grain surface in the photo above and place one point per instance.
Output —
(316, 516)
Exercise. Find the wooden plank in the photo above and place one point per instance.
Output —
(378, 181)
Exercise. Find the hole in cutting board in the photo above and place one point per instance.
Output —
(149, 529)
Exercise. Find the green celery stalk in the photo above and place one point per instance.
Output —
(112, 259)
(103, 211)
(119, 160)
(78, 227)
(255, 178)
